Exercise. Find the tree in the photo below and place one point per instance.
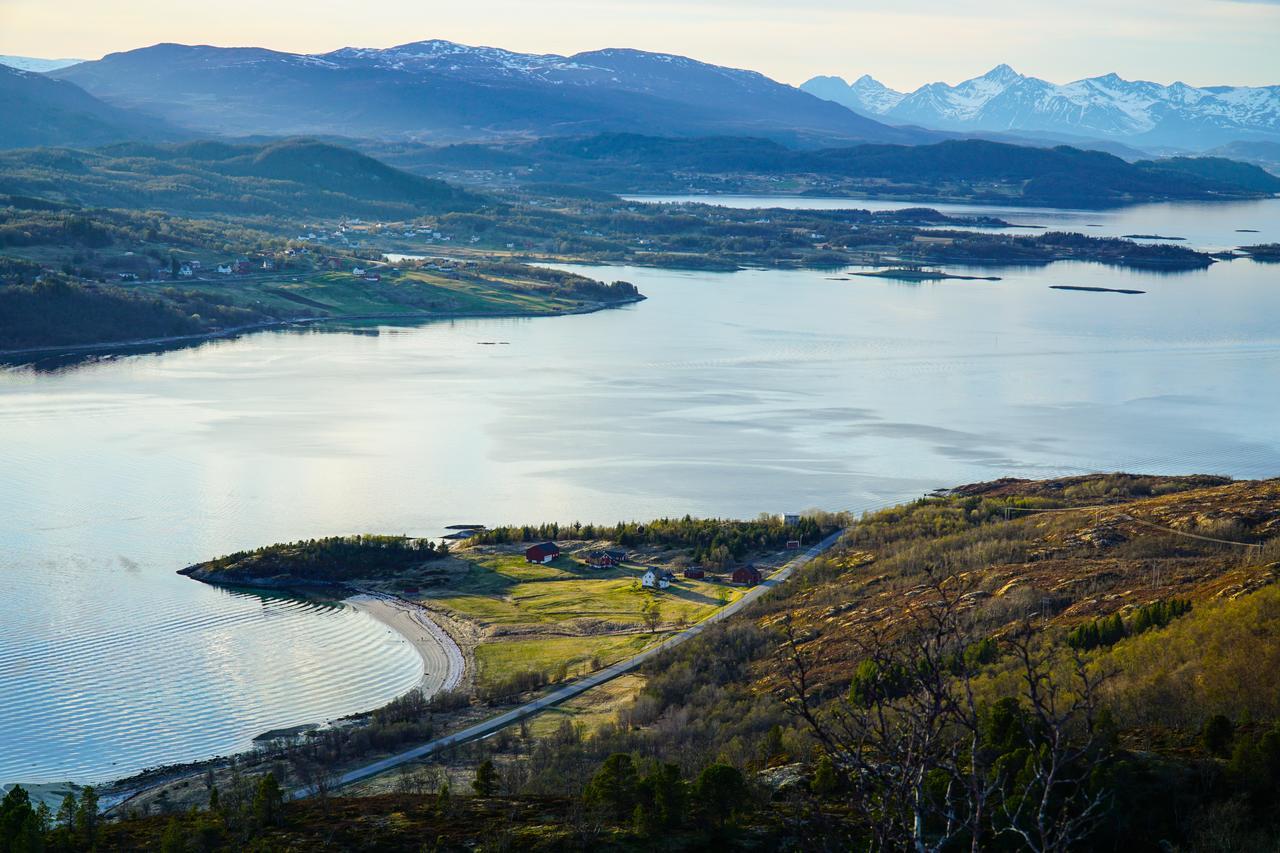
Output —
(1217, 735)
(268, 801)
(21, 826)
(613, 787)
(927, 768)
(486, 781)
(174, 840)
(721, 791)
(86, 818)
(651, 613)
(825, 781)
(662, 799)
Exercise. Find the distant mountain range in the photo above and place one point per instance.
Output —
(39, 110)
(1139, 113)
(444, 91)
(33, 63)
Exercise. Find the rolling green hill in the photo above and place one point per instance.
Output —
(291, 178)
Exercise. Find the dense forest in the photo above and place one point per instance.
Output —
(329, 560)
(56, 312)
(718, 542)
(1054, 245)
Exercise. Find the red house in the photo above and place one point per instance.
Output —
(543, 553)
(601, 560)
(694, 574)
(748, 575)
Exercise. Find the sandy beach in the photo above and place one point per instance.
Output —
(442, 659)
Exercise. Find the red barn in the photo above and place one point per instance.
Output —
(748, 575)
(543, 552)
(694, 574)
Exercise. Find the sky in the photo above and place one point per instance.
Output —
(903, 43)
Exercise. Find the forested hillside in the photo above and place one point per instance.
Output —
(293, 178)
(1060, 176)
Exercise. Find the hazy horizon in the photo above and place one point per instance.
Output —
(904, 44)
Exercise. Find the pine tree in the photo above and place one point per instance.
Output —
(486, 781)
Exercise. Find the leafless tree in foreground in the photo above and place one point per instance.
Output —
(917, 752)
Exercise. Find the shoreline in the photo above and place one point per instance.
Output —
(268, 325)
(443, 663)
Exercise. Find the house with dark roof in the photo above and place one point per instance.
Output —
(543, 553)
(747, 575)
(606, 558)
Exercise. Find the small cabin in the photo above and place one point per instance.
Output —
(793, 544)
(542, 553)
(747, 575)
(694, 573)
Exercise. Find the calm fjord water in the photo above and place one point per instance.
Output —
(723, 394)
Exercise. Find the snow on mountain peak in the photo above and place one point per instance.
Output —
(1107, 106)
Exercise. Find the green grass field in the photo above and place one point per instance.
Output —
(578, 655)
(341, 294)
(505, 590)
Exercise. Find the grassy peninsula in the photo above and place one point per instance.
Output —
(1110, 627)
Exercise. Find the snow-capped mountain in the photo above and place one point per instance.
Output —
(444, 91)
(35, 63)
(1137, 112)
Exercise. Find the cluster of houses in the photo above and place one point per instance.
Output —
(653, 578)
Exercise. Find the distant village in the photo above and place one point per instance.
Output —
(340, 248)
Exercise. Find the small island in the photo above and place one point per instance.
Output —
(1094, 289)
(909, 273)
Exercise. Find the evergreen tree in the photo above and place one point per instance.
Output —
(486, 781)
(825, 781)
(268, 801)
(86, 818)
(613, 787)
(722, 792)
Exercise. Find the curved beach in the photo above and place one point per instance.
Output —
(442, 661)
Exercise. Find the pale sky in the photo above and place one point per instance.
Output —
(903, 43)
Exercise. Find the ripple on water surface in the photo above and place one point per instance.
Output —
(109, 686)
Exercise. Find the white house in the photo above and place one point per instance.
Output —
(357, 271)
(224, 269)
(655, 579)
